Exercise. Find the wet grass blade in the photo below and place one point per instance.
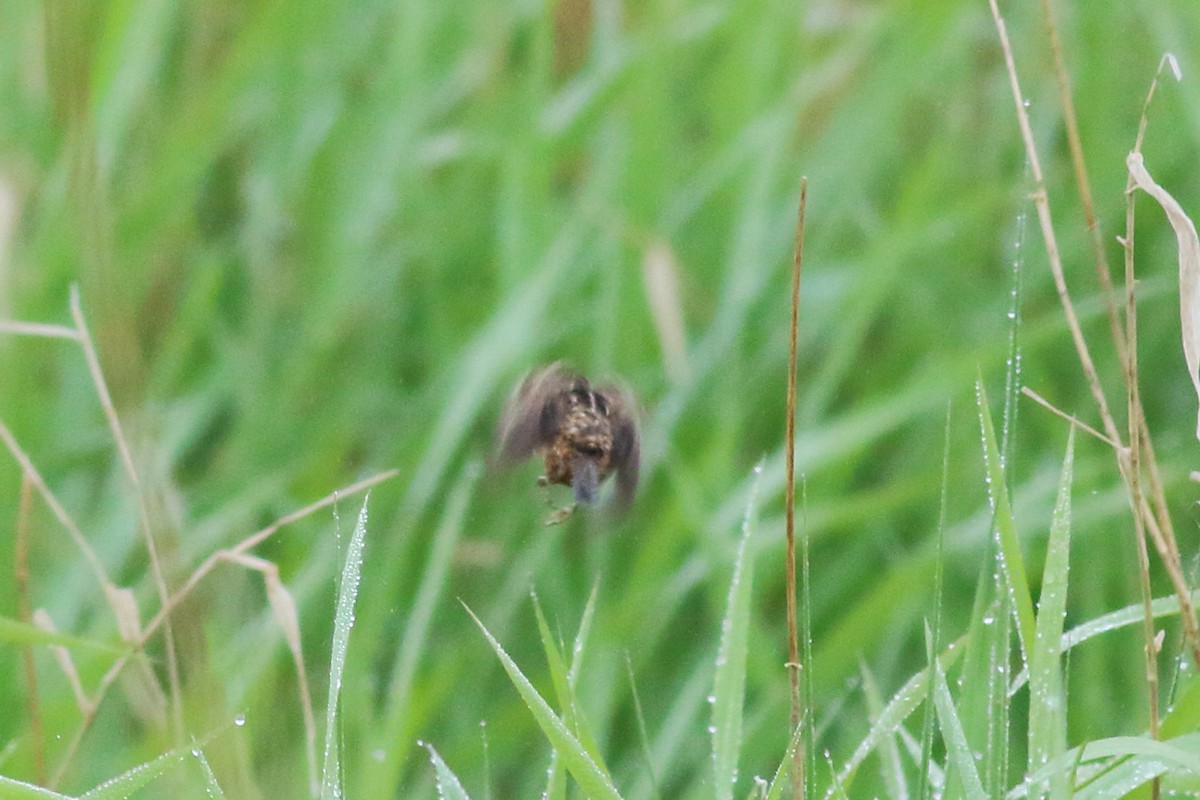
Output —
(129, 782)
(1010, 546)
(343, 621)
(448, 785)
(1047, 702)
(729, 682)
(591, 778)
(565, 679)
(958, 750)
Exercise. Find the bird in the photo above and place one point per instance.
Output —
(583, 433)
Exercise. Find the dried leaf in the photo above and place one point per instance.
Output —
(1189, 267)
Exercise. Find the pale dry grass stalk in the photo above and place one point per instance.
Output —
(120, 600)
(660, 278)
(1137, 461)
(234, 555)
(794, 664)
(156, 570)
(21, 581)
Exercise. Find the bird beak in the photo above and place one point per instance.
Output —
(585, 478)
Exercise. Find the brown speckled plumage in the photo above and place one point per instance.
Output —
(584, 434)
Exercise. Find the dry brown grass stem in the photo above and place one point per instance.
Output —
(30, 473)
(156, 570)
(116, 598)
(798, 710)
(233, 554)
(1053, 409)
(1082, 182)
(39, 329)
(21, 582)
(1137, 461)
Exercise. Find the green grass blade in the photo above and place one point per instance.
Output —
(1013, 563)
(898, 709)
(556, 776)
(127, 783)
(343, 621)
(554, 659)
(1160, 607)
(565, 679)
(212, 787)
(1047, 703)
(387, 774)
(11, 789)
(729, 683)
(588, 774)
(889, 756)
(958, 750)
(924, 778)
(448, 785)
(1136, 760)
(780, 778)
(14, 631)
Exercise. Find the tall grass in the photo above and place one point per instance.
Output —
(314, 243)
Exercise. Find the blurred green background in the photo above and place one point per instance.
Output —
(315, 241)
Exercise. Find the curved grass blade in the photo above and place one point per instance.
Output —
(1047, 703)
(397, 723)
(587, 773)
(1114, 620)
(565, 679)
(958, 750)
(343, 621)
(889, 756)
(11, 789)
(729, 683)
(448, 785)
(127, 783)
(1006, 529)
(898, 709)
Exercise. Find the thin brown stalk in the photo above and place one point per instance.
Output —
(156, 571)
(21, 580)
(1041, 204)
(1082, 182)
(114, 672)
(1136, 417)
(56, 508)
(1159, 523)
(38, 329)
(798, 755)
(1083, 426)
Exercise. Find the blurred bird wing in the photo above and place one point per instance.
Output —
(533, 413)
(627, 445)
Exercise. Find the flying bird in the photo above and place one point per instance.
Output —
(583, 433)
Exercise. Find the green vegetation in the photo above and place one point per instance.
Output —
(315, 242)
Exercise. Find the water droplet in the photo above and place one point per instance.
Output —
(239, 720)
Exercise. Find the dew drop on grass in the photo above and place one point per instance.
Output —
(712, 698)
(239, 720)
